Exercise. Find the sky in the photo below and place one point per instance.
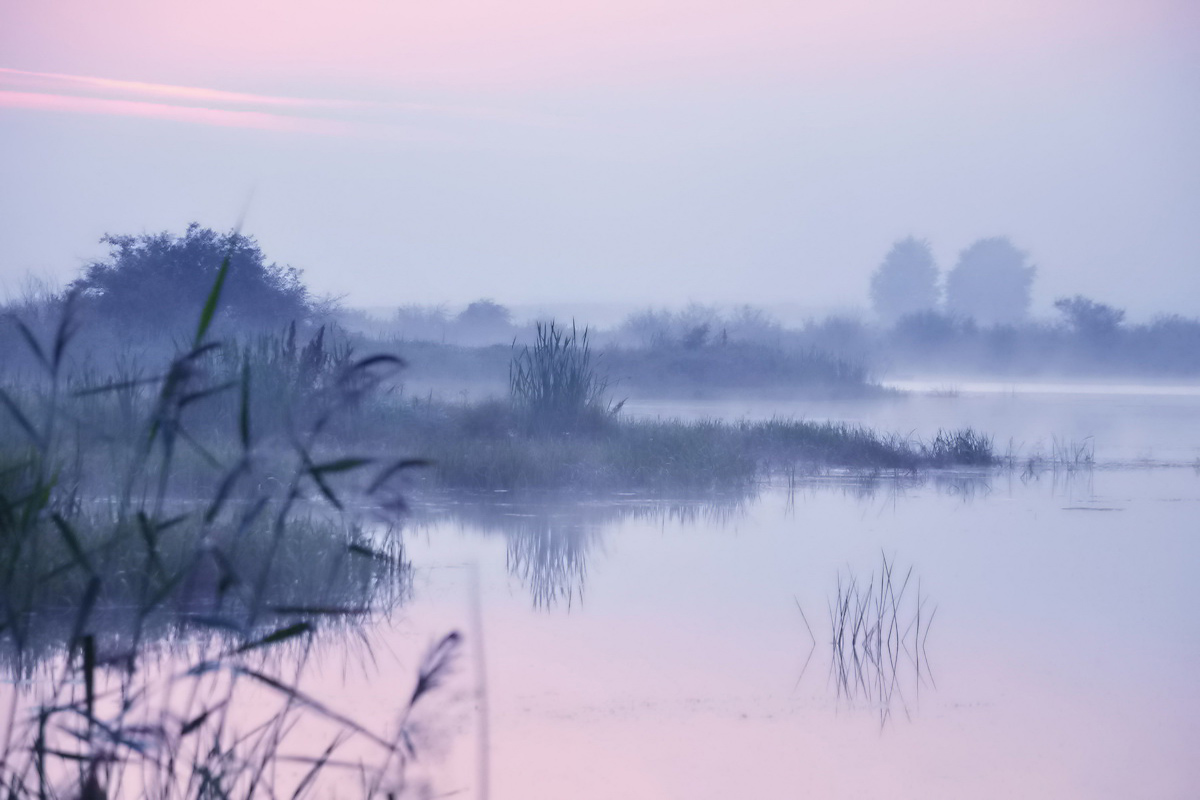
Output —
(655, 152)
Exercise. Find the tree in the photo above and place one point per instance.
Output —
(991, 283)
(906, 282)
(483, 322)
(486, 314)
(1089, 318)
(160, 281)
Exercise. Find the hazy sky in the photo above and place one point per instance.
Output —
(641, 151)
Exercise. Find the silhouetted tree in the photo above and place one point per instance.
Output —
(991, 283)
(1089, 318)
(906, 282)
(160, 281)
(485, 314)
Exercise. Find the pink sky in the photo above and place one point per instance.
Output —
(540, 43)
(164, 55)
(786, 138)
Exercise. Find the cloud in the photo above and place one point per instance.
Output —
(86, 94)
(55, 83)
(221, 117)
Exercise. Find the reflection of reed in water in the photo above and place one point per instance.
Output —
(552, 537)
(322, 570)
(867, 486)
(550, 558)
(878, 633)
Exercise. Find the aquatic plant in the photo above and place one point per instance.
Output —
(965, 447)
(878, 631)
(243, 578)
(556, 381)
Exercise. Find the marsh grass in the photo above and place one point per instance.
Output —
(249, 572)
(1064, 456)
(559, 428)
(556, 384)
(485, 447)
(878, 633)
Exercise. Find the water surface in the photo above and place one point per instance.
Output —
(669, 661)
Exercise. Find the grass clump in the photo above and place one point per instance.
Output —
(555, 382)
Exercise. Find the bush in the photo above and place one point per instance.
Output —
(154, 281)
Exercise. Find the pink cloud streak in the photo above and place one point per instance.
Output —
(226, 118)
(58, 80)
(19, 81)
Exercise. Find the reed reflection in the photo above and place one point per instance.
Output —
(878, 631)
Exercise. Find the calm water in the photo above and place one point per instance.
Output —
(634, 652)
(641, 648)
(1125, 423)
(1060, 662)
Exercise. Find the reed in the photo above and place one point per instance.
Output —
(878, 634)
(555, 382)
(258, 553)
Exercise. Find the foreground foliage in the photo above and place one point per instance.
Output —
(237, 554)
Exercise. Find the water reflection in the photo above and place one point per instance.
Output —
(551, 538)
(331, 588)
(878, 630)
(110, 699)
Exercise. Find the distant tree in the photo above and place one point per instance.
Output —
(1089, 318)
(160, 281)
(906, 282)
(422, 323)
(648, 328)
(930, 329)
(485, 314)
(749, 324)
(698, 325)
(991, 283)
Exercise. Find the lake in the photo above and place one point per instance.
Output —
(663, 651)
(1023, 632)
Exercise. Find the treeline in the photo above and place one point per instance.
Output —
(134, 304)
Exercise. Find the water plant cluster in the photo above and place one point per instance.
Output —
(161, 576)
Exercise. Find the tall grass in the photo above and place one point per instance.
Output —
(556, 382)
(249, 572)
